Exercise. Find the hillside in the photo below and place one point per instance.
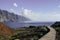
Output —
(6, 16)
(6, 31)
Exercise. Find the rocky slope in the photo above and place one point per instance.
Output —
(5, 30)
(7, 16)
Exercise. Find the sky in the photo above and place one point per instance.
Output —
(36, 10)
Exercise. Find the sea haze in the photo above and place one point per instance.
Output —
(27, 24)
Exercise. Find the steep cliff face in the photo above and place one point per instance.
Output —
(7, 16)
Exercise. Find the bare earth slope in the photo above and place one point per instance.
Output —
(49, 36)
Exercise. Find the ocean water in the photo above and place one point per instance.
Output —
(27, 24)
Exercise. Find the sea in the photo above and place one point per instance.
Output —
(27, 24)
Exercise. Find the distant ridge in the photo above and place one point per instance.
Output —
(56, 24)
(6, 16)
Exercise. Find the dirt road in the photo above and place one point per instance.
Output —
(50, 35)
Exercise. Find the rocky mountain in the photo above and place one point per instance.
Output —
(6, 30)
(6, 16)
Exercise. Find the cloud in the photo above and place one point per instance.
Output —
(12, 10)
(27, 12)
(15, 12)
(22, 8)
(15, 5)
(59, 6)
(53, 16)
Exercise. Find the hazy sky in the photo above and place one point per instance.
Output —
(37, 10)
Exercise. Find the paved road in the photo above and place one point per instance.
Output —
(50, 35)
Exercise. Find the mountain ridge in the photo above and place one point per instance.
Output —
(6, 16)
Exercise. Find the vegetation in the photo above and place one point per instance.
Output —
(24, 33)
(29, 33)
(1, 37)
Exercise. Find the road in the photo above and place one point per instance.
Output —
(50, 35)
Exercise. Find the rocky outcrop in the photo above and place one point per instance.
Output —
(7, 16)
